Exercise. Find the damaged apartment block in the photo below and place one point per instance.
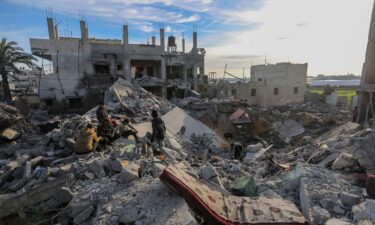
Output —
(83, 68)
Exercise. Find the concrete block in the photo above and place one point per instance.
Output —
(364, 211)
(76, 206)
(320, 215)
(349, 199)
(129, 174)
(344, 161)
(64, 195)
(118, 165)
(83, 216)
(97, 168)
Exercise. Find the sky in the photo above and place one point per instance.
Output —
(330, 35)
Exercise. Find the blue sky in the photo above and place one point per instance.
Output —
(330, 35)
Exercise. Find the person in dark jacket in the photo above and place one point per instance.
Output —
(158, 129)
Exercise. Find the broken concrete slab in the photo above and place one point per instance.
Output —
(177, 120)
(289, 129)
(77, 205)
(349, 199)
(130, 173)
(12, 203)
(364, 211)
(84, 215)
(97, 168)
(118, 165)
(251, 157)
(344, 161)
(335, 132)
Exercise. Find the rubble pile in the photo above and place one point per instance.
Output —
(12, 124)
(305, 155)
(134, 101)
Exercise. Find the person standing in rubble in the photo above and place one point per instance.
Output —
(86, 140)
(158, 129)
(126, 130)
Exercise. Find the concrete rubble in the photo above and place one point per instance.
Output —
(306, 154)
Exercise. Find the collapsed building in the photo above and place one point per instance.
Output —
(269, 85)
(83, 68)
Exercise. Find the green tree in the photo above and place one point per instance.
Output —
(11, 55)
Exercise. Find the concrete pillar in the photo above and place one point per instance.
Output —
(56, 33)
(162, 39)
(195, 41)
(51, 28)
(183, 44)
(163, 72)
(125, 35)
(195, 78)
(82, 26)
(185, 77)
(153, 40)
(127, 69)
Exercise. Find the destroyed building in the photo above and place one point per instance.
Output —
(269, 85)
(83, 68)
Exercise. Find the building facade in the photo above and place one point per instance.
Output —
(270, 85)
(83, 68)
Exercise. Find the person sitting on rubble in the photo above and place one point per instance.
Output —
(86, 140)
(101, 113)
(126, 130)
(158, 129)
(106, 131)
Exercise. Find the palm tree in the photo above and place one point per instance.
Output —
(11, 55)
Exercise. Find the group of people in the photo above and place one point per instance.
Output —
(88, 140)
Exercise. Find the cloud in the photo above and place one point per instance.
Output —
(168, 29)
(333, 42)
(190, 19)
(330, 35)
(147, 29)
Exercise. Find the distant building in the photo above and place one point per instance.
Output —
(84, 68)
(270, 85)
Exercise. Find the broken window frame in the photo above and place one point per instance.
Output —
(295, 91)
(75, 102)
(104, 70)
(253, 92)
(276, 91)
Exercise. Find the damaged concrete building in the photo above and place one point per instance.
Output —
(83, 68)
(269, 85)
